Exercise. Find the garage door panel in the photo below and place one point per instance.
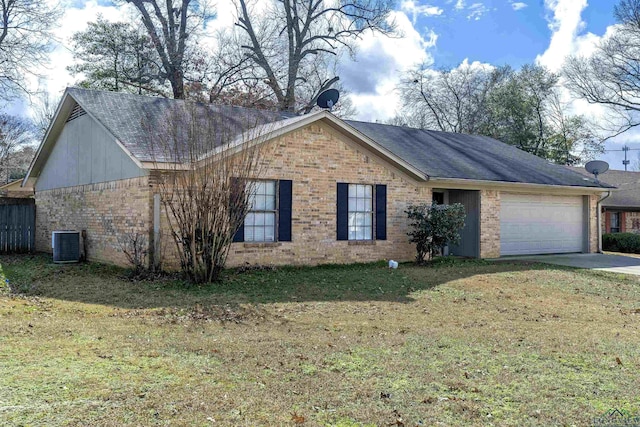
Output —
(537, 224)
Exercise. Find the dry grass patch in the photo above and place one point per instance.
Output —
(465, 343)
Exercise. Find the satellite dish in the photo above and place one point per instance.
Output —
(597, 167)
(328, 98)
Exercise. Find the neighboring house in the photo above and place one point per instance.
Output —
(93, 173)
(15, 189)
(621, 210)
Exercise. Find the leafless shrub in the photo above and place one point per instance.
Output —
(135, 247)
(207, 161)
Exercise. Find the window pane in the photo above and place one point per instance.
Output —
(360, 190)
(259, 203)
(367, 191)
(252, 201)
(352, 204)
(352, 233)
(352, 219)
(360, 233)
(250, 219)
(360, 205)
(248, 233)
(259, 219)
(270, 219)
(270, 203)
(270, 234)
(270, 188)
(352, 190)
(367, 220)
(259, 234)
(368, 233)
(260, 187)
(615, 219)
(368, 204)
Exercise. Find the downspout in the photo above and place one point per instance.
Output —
(599, 219)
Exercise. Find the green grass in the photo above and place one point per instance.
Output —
(458, 343)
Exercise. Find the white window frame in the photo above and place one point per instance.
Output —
(361, 212)
(256, 218)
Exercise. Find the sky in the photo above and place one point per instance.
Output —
(440, 33)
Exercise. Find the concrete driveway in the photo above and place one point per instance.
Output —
(604, 262)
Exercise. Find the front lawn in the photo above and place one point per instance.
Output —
(462, 343)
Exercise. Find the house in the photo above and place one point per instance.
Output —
(621, 210)
(92, 172)
(15, 189)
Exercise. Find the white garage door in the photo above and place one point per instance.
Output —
(540, 224)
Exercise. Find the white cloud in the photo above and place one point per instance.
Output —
(565, 25)
(476, 11)
(57, 78)
(415, 10)
(518, 5)
(460, 5)
(373, 77)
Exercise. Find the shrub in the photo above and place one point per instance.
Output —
(433, 226)
(621, 242)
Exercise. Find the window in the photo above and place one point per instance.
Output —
(260, 223)
(615, 222)
(360, 212)
(269, 216)
(438, 197)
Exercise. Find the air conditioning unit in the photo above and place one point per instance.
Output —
(66, 246)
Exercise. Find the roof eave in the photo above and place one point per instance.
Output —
(270, 133)
(518, 185)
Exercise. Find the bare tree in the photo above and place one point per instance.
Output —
(573, 138)
(15, 133)
(24, 42)
(173, 27)
(292, 43)
(208, 163)
(44, 109)
(455, 100)
(611, 76)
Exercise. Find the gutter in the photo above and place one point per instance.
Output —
(599, 219)
(477, 184)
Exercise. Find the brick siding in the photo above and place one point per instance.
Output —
(316, 159)
(110, 212)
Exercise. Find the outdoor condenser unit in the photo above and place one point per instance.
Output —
(66, 246)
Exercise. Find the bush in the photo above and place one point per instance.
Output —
(621, 242)
(433, 226)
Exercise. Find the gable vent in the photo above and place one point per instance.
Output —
(76, 112)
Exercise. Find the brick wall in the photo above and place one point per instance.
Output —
(632, 221)
(593, 223)
(111, 212)
(489, 224)
(316, 159)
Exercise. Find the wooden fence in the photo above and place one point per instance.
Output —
(17, 225)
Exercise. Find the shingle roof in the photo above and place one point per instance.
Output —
(127, 115)
(436, 154)
(627, 194)
(461, 156)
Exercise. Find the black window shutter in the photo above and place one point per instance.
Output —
(343, 212)
(236, 193)
(381, 212)
(239, 236)
(284, 210)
